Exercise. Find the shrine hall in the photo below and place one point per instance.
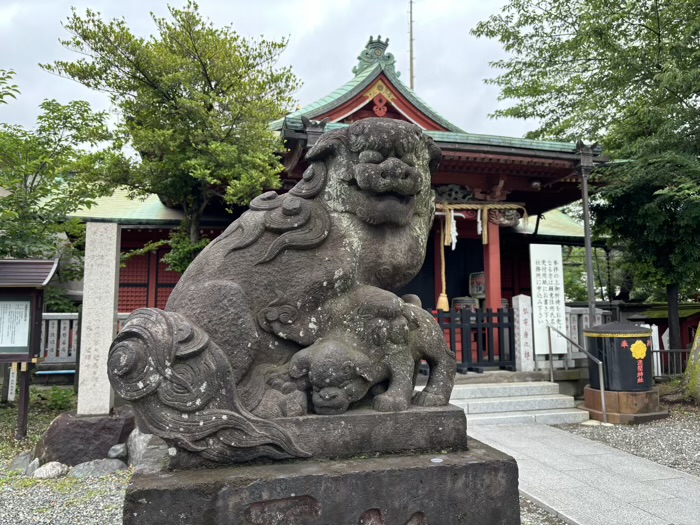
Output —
(490, 191)
(491, 194)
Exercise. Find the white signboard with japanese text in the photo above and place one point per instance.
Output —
(15, 318)
(548, 308)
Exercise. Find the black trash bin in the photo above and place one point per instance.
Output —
(625, 350)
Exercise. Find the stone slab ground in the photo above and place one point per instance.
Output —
(588, 483)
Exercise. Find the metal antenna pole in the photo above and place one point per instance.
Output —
(410, 39)
(586, 167)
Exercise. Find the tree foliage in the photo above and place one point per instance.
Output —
(7, 90)
(46, 173)
(194, 101)
(605, 274)
(581, 67)
(651, 207)
(659, 199)
(625, 73)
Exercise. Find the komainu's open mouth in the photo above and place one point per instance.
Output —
(391, 196)
(380, 207)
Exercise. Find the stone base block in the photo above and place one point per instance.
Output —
(624, 408)
(73, 439)
(365, 432)
(475, 487)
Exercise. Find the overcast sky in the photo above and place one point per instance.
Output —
(325, 37)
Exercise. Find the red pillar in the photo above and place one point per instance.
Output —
(492, 267)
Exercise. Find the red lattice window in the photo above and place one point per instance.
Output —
(135, 270)
(132, 298)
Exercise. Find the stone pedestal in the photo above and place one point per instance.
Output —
(365, 432)
(624, 408)
(475, 487)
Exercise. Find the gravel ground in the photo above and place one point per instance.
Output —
(531, 514)
(67, 501)
(64, 501)
(674, 442)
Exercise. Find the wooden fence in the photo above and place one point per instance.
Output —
(480, 339)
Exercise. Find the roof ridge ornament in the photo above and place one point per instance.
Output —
(375, 53)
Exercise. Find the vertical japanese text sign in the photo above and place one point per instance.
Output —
(522, 318)
(547, 279)
(15, 327)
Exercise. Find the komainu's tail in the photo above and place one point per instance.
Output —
(181, 386)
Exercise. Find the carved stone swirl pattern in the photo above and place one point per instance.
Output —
(180, 384)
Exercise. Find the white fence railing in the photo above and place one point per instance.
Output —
(60, 338)
(577, 320)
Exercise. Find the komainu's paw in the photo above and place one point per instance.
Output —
(429, 399)
(278, 376)
(295, 404)
(390, 403)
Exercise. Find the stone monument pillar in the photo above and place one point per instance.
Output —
(99, 322)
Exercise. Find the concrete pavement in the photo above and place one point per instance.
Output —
(587, 483)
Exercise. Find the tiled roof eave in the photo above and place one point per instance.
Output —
(354, 88)
(451, 141)
(420, 104)
(345, 93)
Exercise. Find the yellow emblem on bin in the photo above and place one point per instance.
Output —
(639, 350)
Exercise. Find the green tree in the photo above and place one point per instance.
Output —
(651, 207)
(7, 90)
(45, 174)
(581, 67)
(574, 260)
(195, 102)
(625, 73)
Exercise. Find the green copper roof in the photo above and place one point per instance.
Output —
(337, 98)
(419, 103)
(121, 209)
(554, 223)
(475, 139)
(118, 207)
(661, 312)
(372, 61)
(508, 142)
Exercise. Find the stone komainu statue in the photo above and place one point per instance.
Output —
(291, 310)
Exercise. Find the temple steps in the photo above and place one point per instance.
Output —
(516, 402)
